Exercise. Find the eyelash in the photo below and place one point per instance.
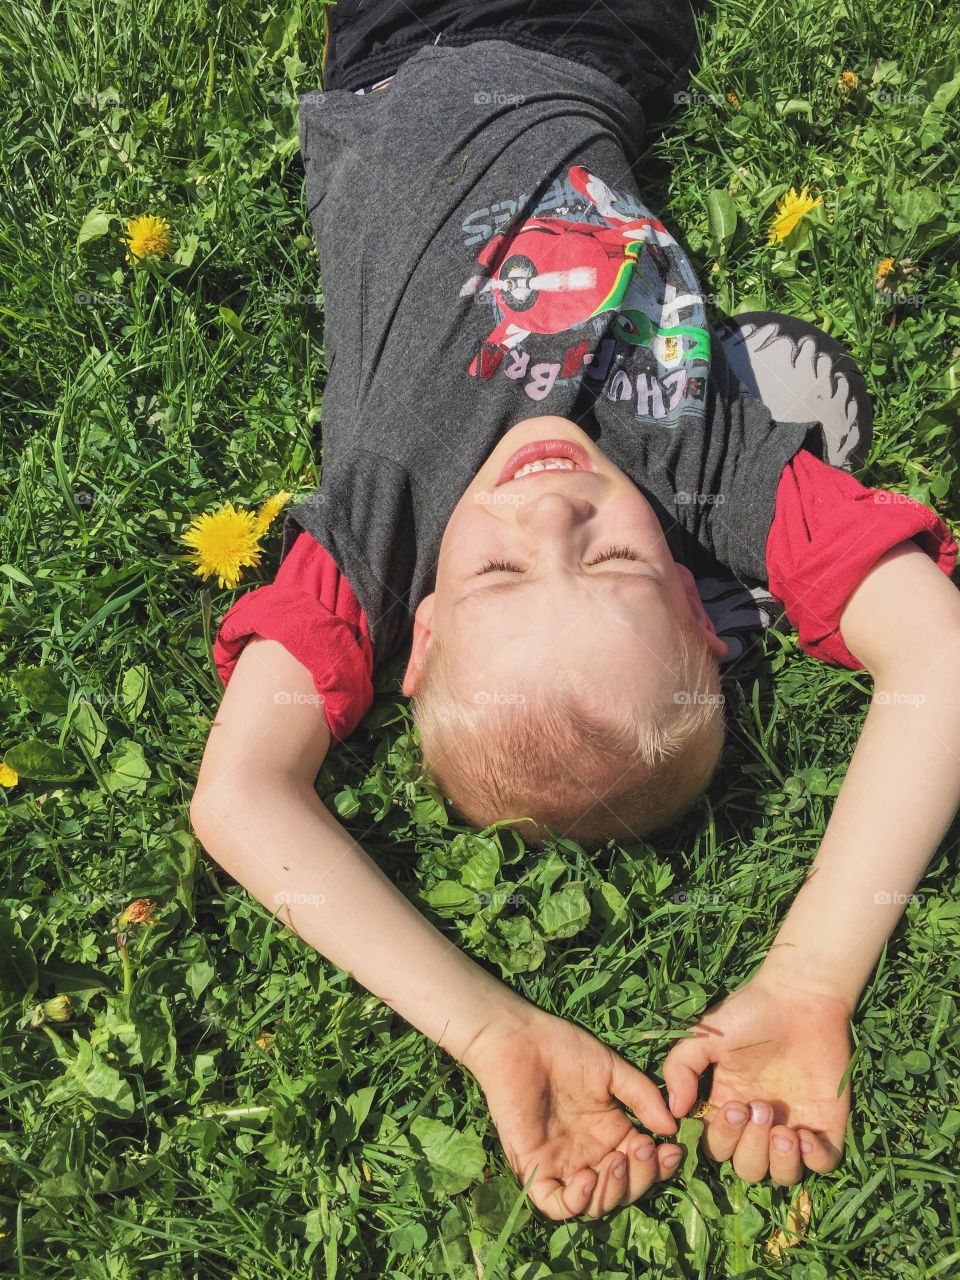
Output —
(611, 553)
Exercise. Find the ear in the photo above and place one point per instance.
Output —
(422, 635)
(699, 613)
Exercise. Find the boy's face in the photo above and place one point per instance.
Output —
(557, 600)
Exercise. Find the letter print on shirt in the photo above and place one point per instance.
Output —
(611, 287)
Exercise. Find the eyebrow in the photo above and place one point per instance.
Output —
(499, 588)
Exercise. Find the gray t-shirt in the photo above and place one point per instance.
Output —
(486, 258)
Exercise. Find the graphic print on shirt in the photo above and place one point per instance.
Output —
(616, 284)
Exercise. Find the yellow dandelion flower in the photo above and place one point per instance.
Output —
(148, 235)
(224, 543)
(790, 209)
(732, 97)
(8, 778)
(884, 269)
(848, 81)
(140, 911)
(267, 1041)
(271, 509)
(229, 540)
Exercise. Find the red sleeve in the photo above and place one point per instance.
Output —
(828, 531)
(311, 609)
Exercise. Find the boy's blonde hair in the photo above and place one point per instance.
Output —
(569, 760)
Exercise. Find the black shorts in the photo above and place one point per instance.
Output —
(646, 46)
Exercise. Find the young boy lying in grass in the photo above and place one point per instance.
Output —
(530, 435)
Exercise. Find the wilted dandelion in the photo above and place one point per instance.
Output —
(140, 911)
(790, 209)
(229, 539)
(891, 274)
(848, 81)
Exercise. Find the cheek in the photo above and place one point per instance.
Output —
(463, 538)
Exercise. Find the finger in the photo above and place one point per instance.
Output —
(643, 1168)
(560, 1201)
(752, 1156)
(819, 1153)
(611, 1186)
(786, 1163)
(669, 1156)
(724, 1129)
(642, 1096)
(642, 1155)
(682, 1069)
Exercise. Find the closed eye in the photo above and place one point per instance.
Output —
(611, 553)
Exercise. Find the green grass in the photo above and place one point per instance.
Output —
(151, 1136)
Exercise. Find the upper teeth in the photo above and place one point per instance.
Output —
(545, 464)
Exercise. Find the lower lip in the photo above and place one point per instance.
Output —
(537, 450)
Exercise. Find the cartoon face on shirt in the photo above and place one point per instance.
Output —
(550, 275)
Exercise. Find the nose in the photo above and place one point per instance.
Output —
(552, 512)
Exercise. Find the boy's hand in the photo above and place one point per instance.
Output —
(778, 1054)
(552, 1089)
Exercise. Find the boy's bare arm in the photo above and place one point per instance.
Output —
(781, 1042)
(553, 1089)
(257, 813)
(902, 788)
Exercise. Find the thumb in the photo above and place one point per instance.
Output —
(682, 1069)
(641, 1095)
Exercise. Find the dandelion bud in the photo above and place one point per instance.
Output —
(58, 1008)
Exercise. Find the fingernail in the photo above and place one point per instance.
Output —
(806, 1146)
(672, 1102)
(671, 1159)
(760, 1112)
(620, 1169)
(735, 1114)
(782, 1142)
(643, 1150)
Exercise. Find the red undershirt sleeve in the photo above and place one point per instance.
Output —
(828, 531)
(312, 611)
